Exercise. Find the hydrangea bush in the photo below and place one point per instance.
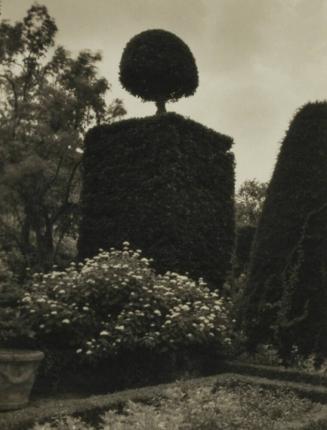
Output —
(115, 302)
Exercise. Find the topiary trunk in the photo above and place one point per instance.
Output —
(161, 107)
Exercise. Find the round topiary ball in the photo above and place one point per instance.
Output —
(158, 66)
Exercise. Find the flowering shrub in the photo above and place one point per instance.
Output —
(115, 302)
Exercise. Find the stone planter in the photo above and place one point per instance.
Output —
(17, 375)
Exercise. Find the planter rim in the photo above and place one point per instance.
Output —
(20, 355)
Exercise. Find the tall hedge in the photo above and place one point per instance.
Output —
(166, 185)
(286, 295)
(244, 239)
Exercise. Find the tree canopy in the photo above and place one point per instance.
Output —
(48, 100)
(249, 202)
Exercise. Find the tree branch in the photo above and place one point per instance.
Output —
(67, 192)
(14, 90)
(53, 180)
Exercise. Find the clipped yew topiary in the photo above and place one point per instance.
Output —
(158, 66)
(286, 296)
(165, 184)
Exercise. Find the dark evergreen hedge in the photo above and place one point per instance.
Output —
(158, 65)
(244, 240)
(286, 297)
(166, 185)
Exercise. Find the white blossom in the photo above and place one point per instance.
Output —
(104, 333)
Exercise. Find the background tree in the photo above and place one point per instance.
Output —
(48, 100)
(248, 205)
(158, 66)
(249, 202)
(286, 295)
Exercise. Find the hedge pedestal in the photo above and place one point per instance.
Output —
(166, 185)
(17, 375)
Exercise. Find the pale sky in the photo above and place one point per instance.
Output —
(258, 60)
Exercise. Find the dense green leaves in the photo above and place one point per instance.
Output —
(166, 185)
(287, 290)
(48, 100)
(158, 66)
(248, 204)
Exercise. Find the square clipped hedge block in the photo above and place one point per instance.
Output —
(166, 185)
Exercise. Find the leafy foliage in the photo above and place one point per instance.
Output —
(165, 184)
(248, 205)
(244, 239)
(14, 328)
(266, 355)
(286, 294)
(227, 406)
(249, 201)
(115, 303)
(158, 66)
(48, 100)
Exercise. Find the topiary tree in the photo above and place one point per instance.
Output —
(158, 66)
(166, 185)
(163, 183)
(286, 295)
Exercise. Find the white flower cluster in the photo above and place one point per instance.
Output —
(115, 301)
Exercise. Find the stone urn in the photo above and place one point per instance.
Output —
(17, 375)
